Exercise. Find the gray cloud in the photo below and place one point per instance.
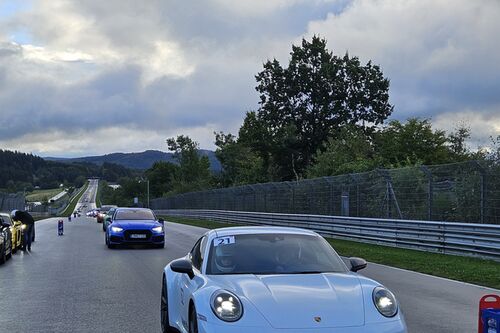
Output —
(168, 67)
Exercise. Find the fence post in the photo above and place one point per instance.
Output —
(354, 177)
(292, 192)
(430, 196)
(390, 195)
(330, 194)
(482, 171)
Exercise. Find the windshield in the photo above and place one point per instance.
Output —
(272, 254)
(139, 214)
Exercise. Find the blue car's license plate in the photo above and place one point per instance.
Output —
(136, 236)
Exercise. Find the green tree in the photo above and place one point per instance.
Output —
(194, 170)
(352, 151)
(458, 143)
(241, 165)
(411, 143)
(306, 103)
(161, 176)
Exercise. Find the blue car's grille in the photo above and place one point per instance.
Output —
(129, 235)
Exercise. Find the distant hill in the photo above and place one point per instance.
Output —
(20, 171)
(141, 161)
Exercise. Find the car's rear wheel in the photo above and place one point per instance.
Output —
(11, 245)
(165, 323)
(193, 320)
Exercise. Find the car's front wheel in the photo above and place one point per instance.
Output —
(3, 254)
(165, 323)
(193, 320)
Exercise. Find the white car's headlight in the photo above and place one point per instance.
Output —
(226, 306)
(158, 229)
(116, 229)
(385, 302)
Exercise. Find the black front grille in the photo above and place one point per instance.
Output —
(137, 232)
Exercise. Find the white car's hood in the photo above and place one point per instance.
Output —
(301, 301)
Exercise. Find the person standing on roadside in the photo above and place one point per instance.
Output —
(28, 220)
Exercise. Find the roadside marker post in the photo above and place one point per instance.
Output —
(489, 314)
(60, 227)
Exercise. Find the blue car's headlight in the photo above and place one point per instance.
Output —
(158, 229)
(385, 302)
(116, 229)
(226, 305)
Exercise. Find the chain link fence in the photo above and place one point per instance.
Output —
(11, 201)
(462, 192)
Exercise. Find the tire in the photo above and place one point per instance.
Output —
(160, 246)
(10, 242)
(3, 255)
(111, 246)
(165, 324)
(193, 319)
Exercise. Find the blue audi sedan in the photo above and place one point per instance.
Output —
(135, 226)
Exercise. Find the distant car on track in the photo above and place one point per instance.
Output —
(102, 213)
(108, 218)
(270, 280)
(5, 239)
(135, 226)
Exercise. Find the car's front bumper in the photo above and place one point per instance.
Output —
(117, 238)
(389, 327)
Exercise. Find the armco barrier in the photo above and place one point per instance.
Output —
(479, 240)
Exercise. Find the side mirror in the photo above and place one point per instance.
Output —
(182, 266)
(357, 264)
(161, 221)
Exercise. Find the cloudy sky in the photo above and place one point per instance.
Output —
(91, 77)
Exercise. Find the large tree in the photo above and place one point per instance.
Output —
(311, 100)
(193, 173)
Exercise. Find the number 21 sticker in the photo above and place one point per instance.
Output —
(224, 240)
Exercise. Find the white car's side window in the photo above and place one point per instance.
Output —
(197, 253)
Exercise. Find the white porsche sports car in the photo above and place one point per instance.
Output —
(272, 279)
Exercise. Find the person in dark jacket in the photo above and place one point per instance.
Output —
(27, 219)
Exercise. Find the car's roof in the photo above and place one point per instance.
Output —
(132, 208)
(261, 230)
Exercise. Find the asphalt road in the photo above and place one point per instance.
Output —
(73, 283)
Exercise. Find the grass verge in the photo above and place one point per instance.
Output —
(71, 206)
(477, 271)
(98, 202)
(43, 195)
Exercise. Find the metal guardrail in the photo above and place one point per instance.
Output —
(479, 240)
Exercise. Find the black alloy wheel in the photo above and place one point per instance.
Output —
(3, 255)
(10, 246)
(193, 320)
